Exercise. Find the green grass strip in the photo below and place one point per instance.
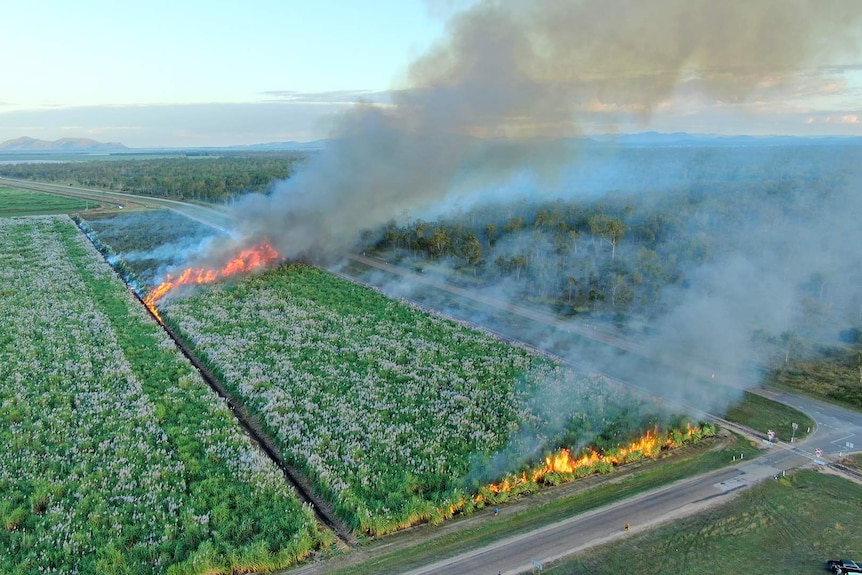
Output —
(649, 475)
(790, 526)
(762, 414)
(18, 202)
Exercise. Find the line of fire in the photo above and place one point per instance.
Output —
(558, 467)
(244, 262)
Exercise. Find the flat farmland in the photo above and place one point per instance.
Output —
(17, 202)
(398, 416)
(115, 456)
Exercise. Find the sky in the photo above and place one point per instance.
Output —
(205, 73)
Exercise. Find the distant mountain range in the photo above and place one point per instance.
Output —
(684, 139)
(651, 139)
(86, 145)
(26, 144)
(273, 146)
(641, 139)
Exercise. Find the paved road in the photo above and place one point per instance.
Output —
(836, 428)
(837, 431)
(524, 553)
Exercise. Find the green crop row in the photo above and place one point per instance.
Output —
(115, 457)
(397, 415)
(17, 202)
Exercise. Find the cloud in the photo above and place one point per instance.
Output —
(847, 119)
(344, 97)
(547, 68)
(595, 106)
(188, 125)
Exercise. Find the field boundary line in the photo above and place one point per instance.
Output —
(300, 484)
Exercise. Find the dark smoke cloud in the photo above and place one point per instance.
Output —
(505, 87)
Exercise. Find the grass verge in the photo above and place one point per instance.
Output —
(792, 526)
(762, 414)
(547, 507)
(18, 202)
(833, 374)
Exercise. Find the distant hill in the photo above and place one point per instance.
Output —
(282, 146)
(684, 139)
(291, 146)
(26, 144)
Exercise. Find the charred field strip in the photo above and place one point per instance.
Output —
(249, 424)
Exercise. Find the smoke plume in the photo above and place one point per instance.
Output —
(505, 88)
(502, 97)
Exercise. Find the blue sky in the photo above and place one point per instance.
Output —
(195, 73)
(108, 70)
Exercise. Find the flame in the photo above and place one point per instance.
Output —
(245, 261)
(563, 462)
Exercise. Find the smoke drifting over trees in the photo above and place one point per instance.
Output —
(728, 254)
(501, 98)
(512, 79)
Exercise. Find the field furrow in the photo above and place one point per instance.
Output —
(114, 454)
(396, 414)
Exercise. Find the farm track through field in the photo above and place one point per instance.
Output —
(779, 459)
(208, 214)
(322, 509)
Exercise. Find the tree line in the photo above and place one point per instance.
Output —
(569, 255)
(615, 255)
(216, 179)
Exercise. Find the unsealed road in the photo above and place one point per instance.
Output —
(213, 216)
(838, 430)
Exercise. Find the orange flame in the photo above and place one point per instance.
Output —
(563, 462)
(245, 261)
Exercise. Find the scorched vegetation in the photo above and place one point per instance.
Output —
(115, 457)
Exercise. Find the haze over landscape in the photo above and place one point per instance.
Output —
(160, 75)
(439, 104)
(487, 102)
(235, 238)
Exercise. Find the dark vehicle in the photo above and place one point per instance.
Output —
(840, 566)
